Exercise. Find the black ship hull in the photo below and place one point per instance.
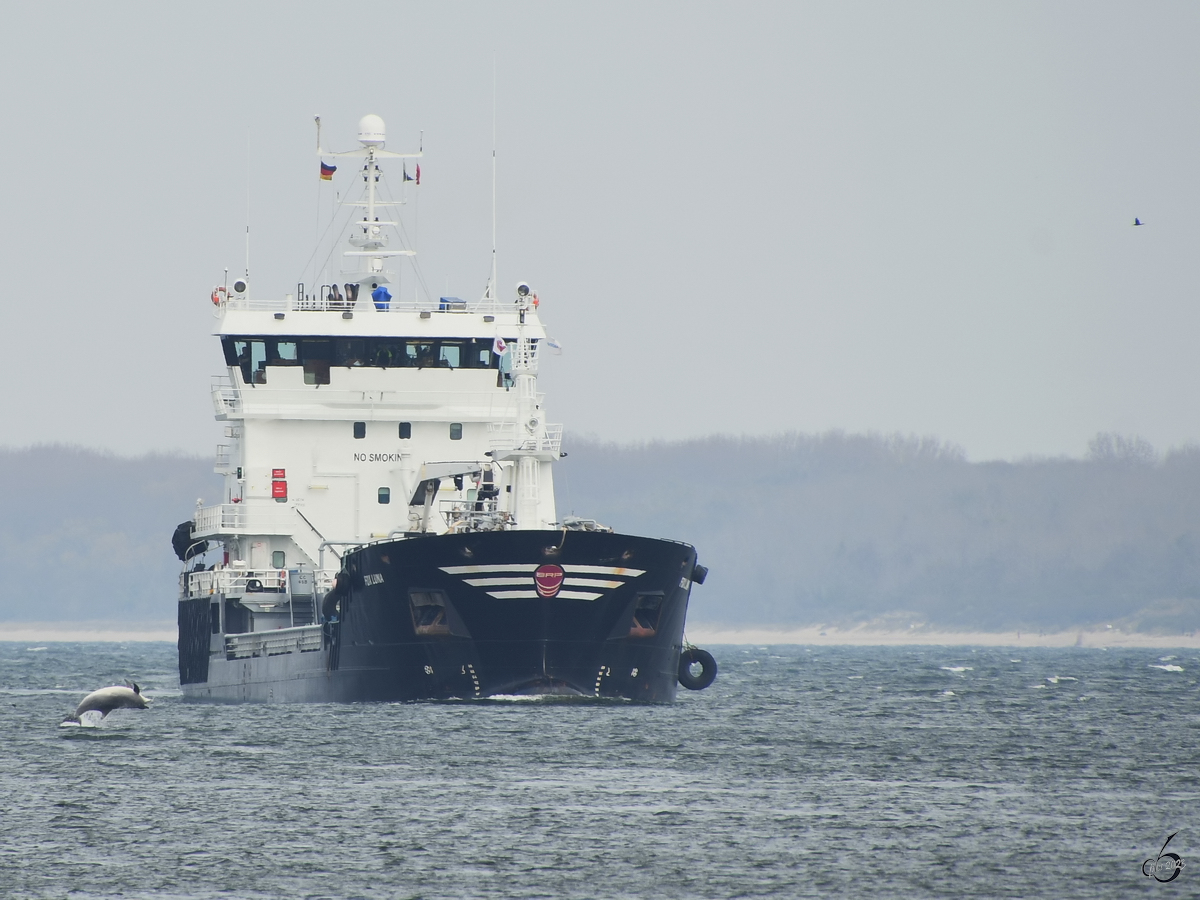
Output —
(575, 613)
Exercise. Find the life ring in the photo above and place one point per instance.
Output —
(708, 668)
(219, 294)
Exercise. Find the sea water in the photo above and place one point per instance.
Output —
(803, 772)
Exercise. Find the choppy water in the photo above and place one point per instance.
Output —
(889, 772)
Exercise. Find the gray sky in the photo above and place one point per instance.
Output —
(741, 218)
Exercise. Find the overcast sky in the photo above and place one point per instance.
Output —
(741, 218)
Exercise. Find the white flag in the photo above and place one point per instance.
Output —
(499, 347)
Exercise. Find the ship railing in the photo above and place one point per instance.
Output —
(237, 582)
(225, 397)
(301, 639)
(240, 582)
(506, 436)
(247, 517)
(266, 400)
(323, 301)
(525, 356)
(323, 582)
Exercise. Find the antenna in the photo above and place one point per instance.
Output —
(317, 119)
(492, 286)
(247, 204)
(416, 224)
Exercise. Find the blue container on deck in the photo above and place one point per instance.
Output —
(382, 297)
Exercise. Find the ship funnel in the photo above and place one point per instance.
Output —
(371, 131)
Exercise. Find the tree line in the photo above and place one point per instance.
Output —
(797, 529)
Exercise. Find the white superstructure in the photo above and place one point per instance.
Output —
(351, 415)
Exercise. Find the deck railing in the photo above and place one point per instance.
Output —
(303, 639)
(504, 436)
(240, 582)
(322, 301)
(237, 582)
(244, 518)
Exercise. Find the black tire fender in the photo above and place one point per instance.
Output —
(708, 668)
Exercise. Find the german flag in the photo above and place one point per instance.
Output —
(327, 172)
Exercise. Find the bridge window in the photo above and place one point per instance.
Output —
(421, 354)
(316, 371)
(253, 355)
(283, 353)
(351, 352)
(316, 356)
(387, 354)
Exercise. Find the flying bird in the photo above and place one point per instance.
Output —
(1138, 221)
(107, 699)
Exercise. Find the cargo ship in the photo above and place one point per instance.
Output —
(388, 528)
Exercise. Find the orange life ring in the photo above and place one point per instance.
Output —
(216, 298)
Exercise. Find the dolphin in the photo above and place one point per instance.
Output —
(107, 699)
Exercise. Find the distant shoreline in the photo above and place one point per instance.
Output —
(925, 637)
(71, 632)
(121, 633)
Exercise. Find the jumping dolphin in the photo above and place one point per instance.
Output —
(107, 699)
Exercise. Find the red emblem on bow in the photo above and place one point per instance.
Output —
(548, 579)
